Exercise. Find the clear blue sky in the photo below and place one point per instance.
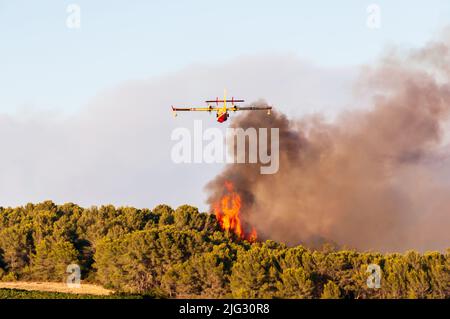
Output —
(43, 64)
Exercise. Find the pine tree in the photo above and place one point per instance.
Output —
(330, 291)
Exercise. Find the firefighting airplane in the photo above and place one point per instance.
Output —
(222, 111)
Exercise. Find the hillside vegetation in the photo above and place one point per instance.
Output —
(183, 253)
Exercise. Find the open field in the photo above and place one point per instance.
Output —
(29, 294)
(85, 289)
(34, 294)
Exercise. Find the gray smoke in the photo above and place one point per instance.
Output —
(374, 179)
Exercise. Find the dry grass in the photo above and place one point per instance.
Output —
(57, 287)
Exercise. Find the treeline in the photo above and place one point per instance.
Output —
(183, 253)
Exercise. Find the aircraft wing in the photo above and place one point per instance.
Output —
(249, 108)
(208, 109)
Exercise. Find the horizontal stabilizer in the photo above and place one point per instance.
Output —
(221, 101)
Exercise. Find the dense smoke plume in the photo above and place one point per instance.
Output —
(373, 179)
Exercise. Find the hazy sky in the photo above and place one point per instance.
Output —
(84, 112)
(45, 64)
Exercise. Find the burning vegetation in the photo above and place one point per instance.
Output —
(228, 212)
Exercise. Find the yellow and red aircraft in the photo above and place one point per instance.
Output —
(222, 111)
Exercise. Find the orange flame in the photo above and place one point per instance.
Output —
(228, 211)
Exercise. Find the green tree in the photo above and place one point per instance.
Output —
(331, 291)
(165, 214)
(255, 272)
(16, 245)
(295, 283)
(205, 275)
(51, 259)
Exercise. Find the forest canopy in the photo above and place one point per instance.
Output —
(183, 253)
